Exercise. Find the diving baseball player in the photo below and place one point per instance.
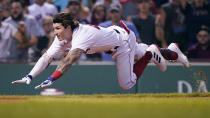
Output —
(120, 43)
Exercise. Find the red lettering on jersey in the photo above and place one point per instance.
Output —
(96, 26)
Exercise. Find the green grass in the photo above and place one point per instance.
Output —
(195, 105)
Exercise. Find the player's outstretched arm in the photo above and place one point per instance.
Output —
(40, 66)
(55, 49)
(63, 66)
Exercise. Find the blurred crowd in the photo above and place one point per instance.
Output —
(26, 28)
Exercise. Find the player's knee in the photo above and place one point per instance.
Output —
(125, 86)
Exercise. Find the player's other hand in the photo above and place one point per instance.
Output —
(46, 83)
(25, 80)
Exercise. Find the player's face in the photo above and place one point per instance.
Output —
(61, 32)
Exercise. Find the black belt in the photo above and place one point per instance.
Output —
(110, 52)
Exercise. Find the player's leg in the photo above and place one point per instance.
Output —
(157, 58)
(125, 61)
(141, 64)
(143, 58)
(128, 72)
(126, 77)
(168, 54)
(140, 50)
(181, 57)
(171, 53)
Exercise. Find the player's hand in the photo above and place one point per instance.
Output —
(46, 83)
(25, 80)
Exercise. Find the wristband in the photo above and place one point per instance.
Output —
(29, 76)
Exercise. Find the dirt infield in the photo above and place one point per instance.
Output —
(7, 99)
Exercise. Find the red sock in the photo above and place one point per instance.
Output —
(141, 64)
(56, 75)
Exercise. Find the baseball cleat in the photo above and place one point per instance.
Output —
(181, 57)
(157, 58)
(44, 84)
(24, 80)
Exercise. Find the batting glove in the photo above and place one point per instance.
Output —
(25, 80)
(46, 83)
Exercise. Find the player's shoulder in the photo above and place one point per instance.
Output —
(114, 27)
(85, 30)
(81, 29)
(88, 27)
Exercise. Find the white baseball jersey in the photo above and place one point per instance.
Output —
(93, 39)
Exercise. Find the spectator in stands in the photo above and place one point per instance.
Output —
(197, 14)
(172, 20)
(129, 8)
(74, 7)
(116, 15)
(84, 13)
(107, 4)
(159, 3)
(153, 8)
(78, 10)
(28, 27)
(147, 24)
(61, 4)
(40, 9)
(45, 41)
(5, 6)
(50, 1)
(98, 14)
(201, 50)
(9, 40)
